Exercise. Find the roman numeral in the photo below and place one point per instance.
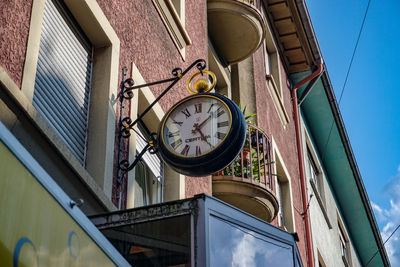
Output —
(176, 144)
(186, 112)
(198, 151)
(185, 150)
(177, 122)
(223, 124)
(173, 134)
(197, 108)
(210, 108)
(220, 111)
(220, 135)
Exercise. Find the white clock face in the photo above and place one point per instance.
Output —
(197, 126)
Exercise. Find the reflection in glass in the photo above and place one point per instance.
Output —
(154, 243)
(232, 245)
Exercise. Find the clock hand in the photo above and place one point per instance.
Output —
(202, 136)
(198, 126)
(202, 124)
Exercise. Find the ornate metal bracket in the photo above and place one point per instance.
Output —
(151, 147)
(126, 124)
(177, 73)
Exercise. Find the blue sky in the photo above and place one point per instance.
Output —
(371, 101)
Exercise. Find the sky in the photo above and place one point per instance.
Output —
(370, 105)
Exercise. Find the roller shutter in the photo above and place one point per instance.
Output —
(63, 78)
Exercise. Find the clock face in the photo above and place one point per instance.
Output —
(197, 126)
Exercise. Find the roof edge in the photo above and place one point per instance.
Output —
(353, 163)
(309, 30)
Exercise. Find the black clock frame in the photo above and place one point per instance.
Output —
(218, 158)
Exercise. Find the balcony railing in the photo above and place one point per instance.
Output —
(254, 163)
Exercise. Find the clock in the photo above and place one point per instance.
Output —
(201, 134)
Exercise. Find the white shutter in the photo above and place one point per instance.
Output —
(151, 160)
(63, 78)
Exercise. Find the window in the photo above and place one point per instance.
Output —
(285, 203)
(344, 246)
(272, 68)
(312, 170)
(172, 13)
(281, 211)
(233, 245)
(149, 174)
(152, 181)
(284, 194)
(314, 174)
(98, 49)
(63, 77)
(267, 60)
(273, 74)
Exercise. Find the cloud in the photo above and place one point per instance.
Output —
(379, 212)
(390, 219)
(244, 254)
(252, 249)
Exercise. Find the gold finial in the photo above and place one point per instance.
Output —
(202, 85)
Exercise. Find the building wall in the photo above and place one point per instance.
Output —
(14, 30)
(144, 42)
(284, 137)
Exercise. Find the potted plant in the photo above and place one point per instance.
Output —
(250, 162)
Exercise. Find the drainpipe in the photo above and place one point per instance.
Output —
(303, 184)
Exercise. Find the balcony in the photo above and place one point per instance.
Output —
(236, 28)
(248, 182)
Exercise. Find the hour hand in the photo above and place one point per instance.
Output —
(202, 136)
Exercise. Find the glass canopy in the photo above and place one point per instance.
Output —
(200, 231)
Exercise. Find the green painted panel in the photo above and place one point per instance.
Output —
(318, 116)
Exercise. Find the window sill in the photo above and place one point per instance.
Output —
(278, 102)
(321, 204)
(173, 24)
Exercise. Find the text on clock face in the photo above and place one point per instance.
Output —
(197, 126)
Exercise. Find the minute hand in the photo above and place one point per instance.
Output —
(202, 124)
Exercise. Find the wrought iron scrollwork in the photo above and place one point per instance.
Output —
(177, 73)
(126, 124)
(125, 127)
(151, 146)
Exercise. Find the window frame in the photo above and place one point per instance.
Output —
(173, 183)
(148, 188)
(273, 77)
(314, 173)
(319, 193)
(284, 182)
(44, 85)
(98, 172)
(344, 243)
(174, 21)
